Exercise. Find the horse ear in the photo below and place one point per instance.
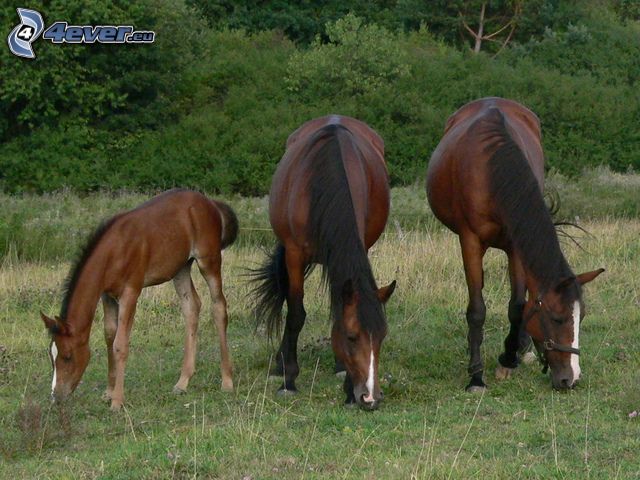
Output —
(349, 295)
(565, 283)
(384, 293)
(50, 323)
(55, 325)
(586, 277)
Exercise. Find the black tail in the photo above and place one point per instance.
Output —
(271, 290)
(230, 224)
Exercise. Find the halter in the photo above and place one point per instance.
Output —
(548, 344)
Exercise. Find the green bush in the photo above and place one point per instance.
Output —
(120, 85)
(225, 102)
(357, 59)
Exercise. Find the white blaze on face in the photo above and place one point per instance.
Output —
(575, 359)
(370, 378)
(54, 355)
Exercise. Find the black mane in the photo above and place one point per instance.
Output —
(526, 216)
(76, 269)
(334, 231)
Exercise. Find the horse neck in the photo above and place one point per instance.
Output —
(84, 298)
(536, 285)
(333, 217)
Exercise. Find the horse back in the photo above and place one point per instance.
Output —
(362, 151)
(458, 176)
(151, 243)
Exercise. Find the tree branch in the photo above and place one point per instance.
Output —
(487, 37)
(513, 27)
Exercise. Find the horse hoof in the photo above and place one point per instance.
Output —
(503, 373)
(476, 388)
(528, 358)
(283, 392)
(116, 406)
(341, 374)
(178, 391)
(227, 386)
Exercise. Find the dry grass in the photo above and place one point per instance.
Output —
(427, 428)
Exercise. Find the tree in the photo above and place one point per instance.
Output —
(479, 35)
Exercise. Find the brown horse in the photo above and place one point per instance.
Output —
(328, 205)
(485, 182)
(152, 244)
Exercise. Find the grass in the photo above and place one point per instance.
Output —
(428, 426)
(52, 227)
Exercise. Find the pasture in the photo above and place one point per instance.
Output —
(428, 427)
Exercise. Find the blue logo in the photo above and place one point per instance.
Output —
(21, 37)
(31, 26)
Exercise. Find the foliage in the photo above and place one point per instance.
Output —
(87, 84)
(212, 109)
(597, 46)
(358, 59)
(300, 21)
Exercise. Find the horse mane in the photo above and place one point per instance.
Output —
(73, 277)
(333, 227)
(527, 218)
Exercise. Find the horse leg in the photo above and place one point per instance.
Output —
(126, 312)
(190, 304)
(508, 360)
(472, 254)
(295, 320)
(340, 370)
(210, 267)
(110, 307)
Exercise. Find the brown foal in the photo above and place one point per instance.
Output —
(149, 245)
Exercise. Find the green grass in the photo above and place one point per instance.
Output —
(52, 227)
(428, 427)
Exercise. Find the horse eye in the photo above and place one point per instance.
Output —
(352, 338)
(66, 358)
(558, 320)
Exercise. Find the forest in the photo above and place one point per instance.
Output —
(210, 103)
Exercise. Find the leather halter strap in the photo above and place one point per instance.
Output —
(549, 344)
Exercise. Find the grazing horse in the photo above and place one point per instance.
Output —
(151, 244)
(485, 182)
(329, 203)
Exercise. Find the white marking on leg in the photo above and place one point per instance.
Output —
(54, 355)
(575, 359)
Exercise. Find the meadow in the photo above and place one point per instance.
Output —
(428, 427)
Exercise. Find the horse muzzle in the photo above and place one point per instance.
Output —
(366, 400)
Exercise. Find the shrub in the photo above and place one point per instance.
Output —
(358, 59)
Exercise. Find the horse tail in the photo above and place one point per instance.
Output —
(270, 292)
(230, 224)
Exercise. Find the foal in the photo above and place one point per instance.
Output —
(149, 245)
